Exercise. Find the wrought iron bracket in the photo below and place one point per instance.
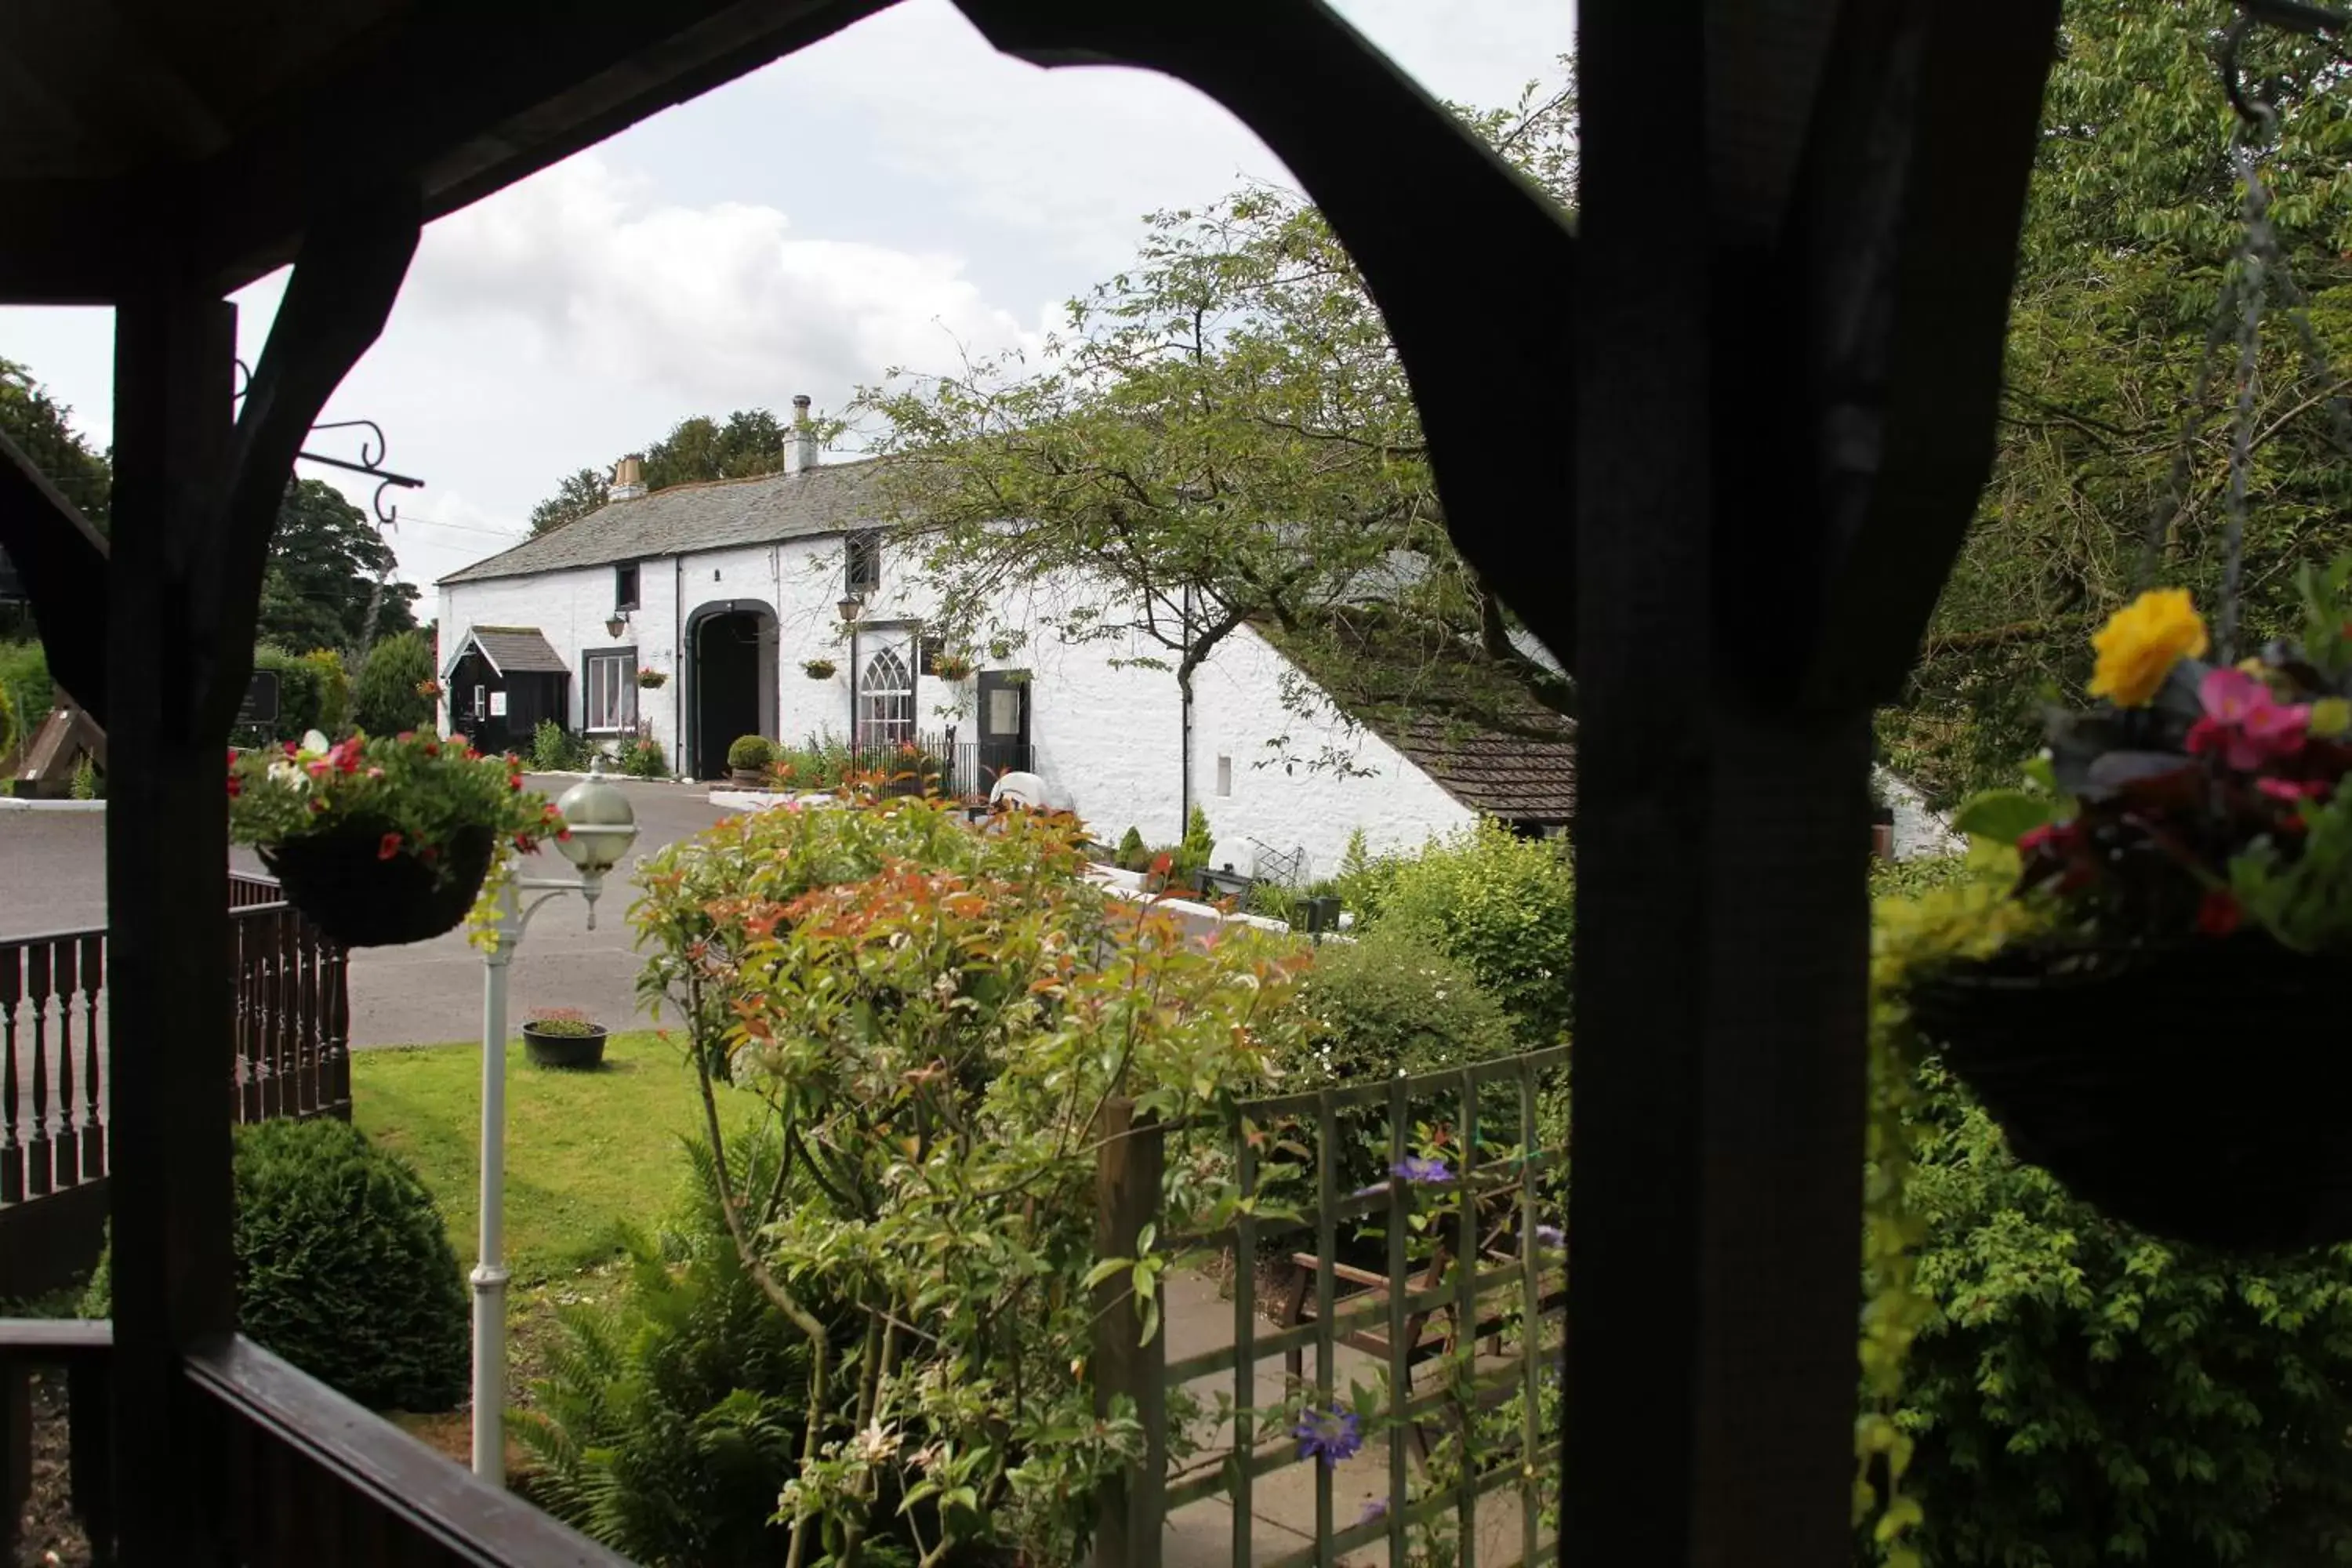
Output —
(372, 456)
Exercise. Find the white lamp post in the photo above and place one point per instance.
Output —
(603, 824)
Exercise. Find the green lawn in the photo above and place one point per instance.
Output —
(586, 1150)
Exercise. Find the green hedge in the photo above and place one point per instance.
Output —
(302, 691)
(343, 1266)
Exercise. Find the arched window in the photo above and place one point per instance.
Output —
(886, 697)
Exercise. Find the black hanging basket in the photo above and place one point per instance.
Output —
(360, 899)
(2200, 1091)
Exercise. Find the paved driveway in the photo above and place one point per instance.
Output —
(53, 878)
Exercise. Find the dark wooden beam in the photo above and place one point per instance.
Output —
(167, 899)
(62, 562)
(335, 305)
(1909, 207)
(1471, 267)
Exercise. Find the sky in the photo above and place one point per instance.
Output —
(894, 197)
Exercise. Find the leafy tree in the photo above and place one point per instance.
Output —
(1222, 436)
(385, 701)
(41, 427)
(329, 582)
(2134, 217)
(748, 443)
(579, 494)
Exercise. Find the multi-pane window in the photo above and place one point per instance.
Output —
(886, 701)
(862, 571)
(609, 678)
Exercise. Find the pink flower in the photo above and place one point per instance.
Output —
(2246, 724)
(2292, 789)
(388, 848)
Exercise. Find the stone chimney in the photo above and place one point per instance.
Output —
(628, 479)
(800, 441)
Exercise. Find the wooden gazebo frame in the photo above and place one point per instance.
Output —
(1722, 441)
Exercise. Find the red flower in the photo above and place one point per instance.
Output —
(428, 854)
(514, 781)
(235, 786)
(292, 749)
(389, 848)
(2220, 913)
(562, 835)
(548, 812)
(2056, 837)
(522, 842)
(431, 749)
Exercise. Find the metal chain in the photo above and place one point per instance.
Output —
(2261, 242)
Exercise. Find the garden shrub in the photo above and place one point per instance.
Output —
(24, 685)
(821, 761)
(386, 701)
(1393, 1003)
(2084, 1393)
(1502, 905)
(299, 694)
(1131, 854)
(938, 1013)
(334, 690)
(643, 758)
(1198, 844)
(552, 748)
(343, 1266)
(750, 752)
(671, 1417)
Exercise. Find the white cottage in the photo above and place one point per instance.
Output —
(733, 589)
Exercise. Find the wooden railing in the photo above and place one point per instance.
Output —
(311, 1479)
(293, 1023)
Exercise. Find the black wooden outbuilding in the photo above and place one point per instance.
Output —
(1716, 442)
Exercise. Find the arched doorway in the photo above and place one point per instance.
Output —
(732, 681)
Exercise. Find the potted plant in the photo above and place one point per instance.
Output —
(748, 760)
(2158, 1025)
(818, 669)
(652, 680)
(382, 840)
(563, 1037)
(952, 667)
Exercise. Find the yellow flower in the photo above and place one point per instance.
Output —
(2141, 644)
(2330, 716)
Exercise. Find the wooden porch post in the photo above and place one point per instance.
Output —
(167, 897)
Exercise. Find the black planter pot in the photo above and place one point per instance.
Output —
(2197, 1089)
(362, 899)
(572, 1051)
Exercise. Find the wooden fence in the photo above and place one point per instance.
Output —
(293, 1016)
(1484, 1263)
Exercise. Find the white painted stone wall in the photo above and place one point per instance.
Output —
(1112, 735)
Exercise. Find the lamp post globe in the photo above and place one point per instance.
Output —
(598, 806)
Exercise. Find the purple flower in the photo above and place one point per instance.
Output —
(1331, 1436)
(1550, 1235)
(1375, 1508)
(1421, 1169)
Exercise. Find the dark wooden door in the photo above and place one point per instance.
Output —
(1003, 724)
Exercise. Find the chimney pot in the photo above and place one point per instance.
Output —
(628, 479)
(800, 441)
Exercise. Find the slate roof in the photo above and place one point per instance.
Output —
(513, 650)
(1518, 778)
(1516, 764)
(683, 519)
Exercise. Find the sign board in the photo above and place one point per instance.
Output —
(498, 704)
(260, 704)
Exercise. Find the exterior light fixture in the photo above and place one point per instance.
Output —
(616, 625)
(601, 825)
(851, 608)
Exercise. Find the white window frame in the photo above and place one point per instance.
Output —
(886, 706)
(615, 703)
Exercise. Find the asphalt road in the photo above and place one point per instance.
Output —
(53, 878)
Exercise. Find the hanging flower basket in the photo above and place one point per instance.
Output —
(952, 667)
(818, 669)
(2167, 1040)
(652, 680)
(429, 690)
(2194, 1089)
(345, 885)
(386, 841)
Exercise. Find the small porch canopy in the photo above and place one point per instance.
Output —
(1715, 443)
(508, 650)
